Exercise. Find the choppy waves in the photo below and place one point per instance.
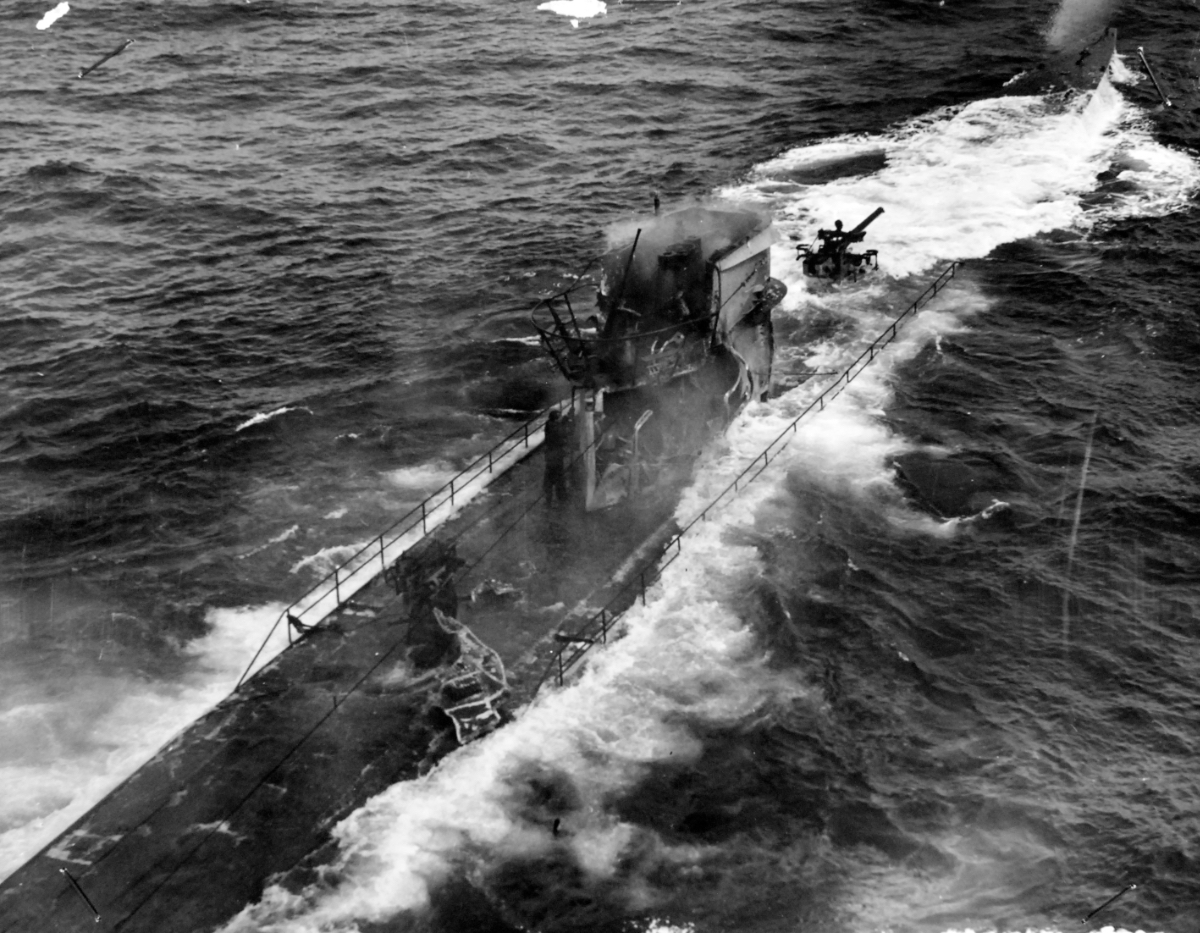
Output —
(734, 651)
(266, 290)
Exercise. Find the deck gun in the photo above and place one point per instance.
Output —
(831, 260)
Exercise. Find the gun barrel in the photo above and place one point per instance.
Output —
(863, 226)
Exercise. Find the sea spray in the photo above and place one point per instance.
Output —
(961, 181)
(131, 720)
(686, 658)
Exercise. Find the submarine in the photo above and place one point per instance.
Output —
(453, 617)
(434, 632)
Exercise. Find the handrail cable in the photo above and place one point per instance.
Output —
(337, 702)
(607, 619)
(578, 643)
(699, 319)
(218, 824)
(445, 495)
(443, 499)
(466, 570)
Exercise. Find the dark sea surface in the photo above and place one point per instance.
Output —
(264, 284)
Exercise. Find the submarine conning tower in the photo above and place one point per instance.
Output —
(682, 280)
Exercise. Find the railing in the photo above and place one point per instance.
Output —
(596, 628)
(580, 357)
(350, 576)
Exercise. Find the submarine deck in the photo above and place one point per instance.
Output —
(254, 786)
(252, 789)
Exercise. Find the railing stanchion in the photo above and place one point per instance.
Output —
(606, 617)
(361, 558)
(409, 521)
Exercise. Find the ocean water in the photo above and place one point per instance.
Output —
(264, 284)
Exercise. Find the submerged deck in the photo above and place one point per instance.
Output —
(254, 786)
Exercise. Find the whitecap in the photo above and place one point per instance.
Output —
(576, 9)
(53, 16)
(267, 416)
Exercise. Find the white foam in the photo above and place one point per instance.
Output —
(58, 764)
(268, 416)
(575, 9)
(278, 539)
(1077, 21)
(326, 559)
(234, 635)
(53, 16)
(656, 925)
(424, 477)
(956, 184)
(687, 654)
(962, 181)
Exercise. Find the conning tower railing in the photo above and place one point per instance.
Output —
(635, 356)
(597, 627)
(630, 360)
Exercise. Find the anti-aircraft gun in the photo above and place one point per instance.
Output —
(829, 257)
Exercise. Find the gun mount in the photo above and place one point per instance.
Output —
(830, 256)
